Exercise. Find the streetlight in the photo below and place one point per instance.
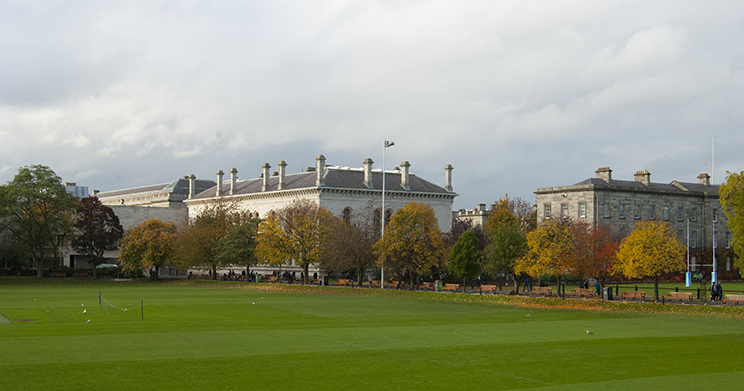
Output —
(382, 211)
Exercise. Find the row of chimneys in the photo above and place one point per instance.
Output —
(319, 176)
(644, 176)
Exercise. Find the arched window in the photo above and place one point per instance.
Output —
(377, 218)
(346, 215)
(388, 214)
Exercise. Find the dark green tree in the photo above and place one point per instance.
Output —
(465, 257)
(35, 209)
(238, 247)
(97, 230)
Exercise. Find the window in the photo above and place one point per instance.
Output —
(564, 210)
(621, 214)
(377, 218)
(388, 214)
(637, 212)
(652, 212)
(728, 239)
(546, 209)
(582, 209)
(666, 213)
(607, 210)
(693, 238)
(693, 214)
(346, 215)
(715, 214)
(680, 214)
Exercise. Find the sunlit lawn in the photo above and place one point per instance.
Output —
(227, 336)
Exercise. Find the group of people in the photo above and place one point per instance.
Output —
(716, 291)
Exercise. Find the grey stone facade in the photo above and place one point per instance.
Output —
(620, 204)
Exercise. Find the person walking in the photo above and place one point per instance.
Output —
(712, 291)
(719, 291)
(526, 285)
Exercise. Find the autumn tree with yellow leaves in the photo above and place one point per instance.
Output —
(413, 243)
(651, 250)
(731, 194)
(299, 231)
(550, 247)
(148, 245)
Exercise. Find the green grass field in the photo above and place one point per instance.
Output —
(226, 336)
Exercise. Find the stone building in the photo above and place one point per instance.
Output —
(348, 193)
(476, 217)
(619, 204)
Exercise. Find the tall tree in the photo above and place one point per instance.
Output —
(35, 207)
(465, 257)
(97, 230)
(652, 249)
(413, 242)
(298, 232)
(550, 246)
(731, 194)
(148, 245)
(197, 242)
(593, 251)
(350, 243)
(238, 247)
(506, 228)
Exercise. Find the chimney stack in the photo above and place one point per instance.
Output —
(219, 183)
(604, 173)
(266, 175)
(368, 173)
(643, 176)
(448, 177)
(233, 180)
(320, 171)
(192, 186)
(282, 173)
(704, 179)
(404, 182)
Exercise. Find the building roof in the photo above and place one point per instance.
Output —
(334, 178)
(179, 186)
(613, 184)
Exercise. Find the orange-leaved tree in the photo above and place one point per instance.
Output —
(413, 243)
(148, 245)
(299, 231)
(593, 252)
(732, 201)
(550, 247)
(652, 249)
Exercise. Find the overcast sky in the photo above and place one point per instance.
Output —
(516, 95)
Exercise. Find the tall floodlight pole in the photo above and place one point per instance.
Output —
(382, 211)
(715, 269)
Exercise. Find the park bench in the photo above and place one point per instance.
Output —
(451, 287)
(426, 286)
(271, 279)
(632, 295)
(736, 299)
(375, 284)
(342, 282)
(488, 288)
(542, 291)
(59, 275)
(79, 275)
(680, 296)
(581, 292)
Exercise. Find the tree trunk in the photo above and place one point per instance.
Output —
(156, 275)
(360, 280)
(656, 288)
(559, 285)
(516, 284)
(304, 278)
(214, 272)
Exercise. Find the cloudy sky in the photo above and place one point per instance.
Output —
(515, 95)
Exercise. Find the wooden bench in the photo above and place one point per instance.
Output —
(342, 282)
(451, 287)
(542, 290)
(426, 286)
(79, 275)
(59, 275)
(632, 295)
(736, 299)
(580, 292)
(488, 288)
(270, 279)
(680, 296)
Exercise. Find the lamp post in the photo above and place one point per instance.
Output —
(382, 211)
